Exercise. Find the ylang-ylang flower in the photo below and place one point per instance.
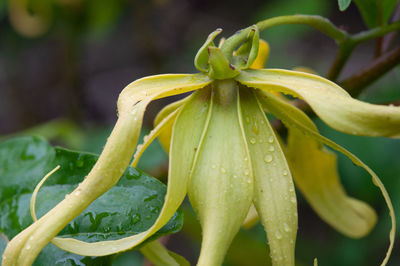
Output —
(224, 154)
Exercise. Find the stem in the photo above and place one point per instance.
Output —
(374, 33)
(366, 76)
(346, 42)
(318, 22)
(344, 52)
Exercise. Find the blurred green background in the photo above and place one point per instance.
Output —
(64, 62)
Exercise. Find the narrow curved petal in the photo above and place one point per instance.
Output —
(155, 252)
(262, 56)
(330, 102)
(152, 85)
(296, 120)
(111, 164)
(315, 172)
(274, 195)
(164, 136)
(165, 125)
(221, 185)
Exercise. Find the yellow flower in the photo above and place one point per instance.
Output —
(226, 156)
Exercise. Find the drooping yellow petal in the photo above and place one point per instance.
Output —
(315, 172)
(221, 185)
(262, 56)
(158, 255)
(165, 135)
(153, 251)
(178, 176)
(296, 120)
(330, 102)
(147, 86)
(114, 159)
(164, 125)
(274, 195)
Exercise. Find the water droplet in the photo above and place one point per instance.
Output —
(286, 227)
(291, 189)
(245, 158)
(285, 173)
(268, 158)
(223, 170)
(247, 119)
(254, 128)
(278, 235)
(271, 148)
(271, 139)
(28, 247)
(234, 176)
(253, 141)
(77, 192)
(293, 199)
(246, 172)
(249, 181)
(132, 173)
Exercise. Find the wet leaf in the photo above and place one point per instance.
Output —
(129, 208)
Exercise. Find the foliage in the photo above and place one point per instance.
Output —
(128, 208)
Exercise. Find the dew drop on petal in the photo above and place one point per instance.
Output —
(247, 119)
(293, 199)
(223, 170)
(213, 166)
(278, 235)
(271, 148)
(246, 172)
(286, 227)
(253, 141)
(268, 158)
(285, 173)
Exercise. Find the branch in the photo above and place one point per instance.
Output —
(355, 83)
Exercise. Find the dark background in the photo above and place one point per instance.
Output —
(61, 79)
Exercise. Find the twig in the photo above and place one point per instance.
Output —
(368, 75)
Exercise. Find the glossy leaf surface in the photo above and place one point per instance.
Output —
(128, 208)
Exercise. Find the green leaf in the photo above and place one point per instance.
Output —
(344, 4)
(23, 163)
(128, 208)
(375, 12)
(52, 255)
